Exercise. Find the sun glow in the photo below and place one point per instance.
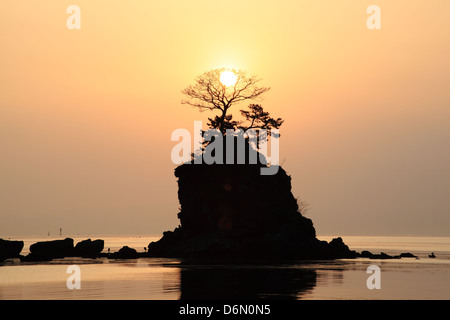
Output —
(228, 78)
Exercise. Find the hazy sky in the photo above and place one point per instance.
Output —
(86, 115)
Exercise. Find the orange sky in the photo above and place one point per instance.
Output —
(86, 115)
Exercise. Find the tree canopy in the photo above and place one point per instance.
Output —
(209, 93)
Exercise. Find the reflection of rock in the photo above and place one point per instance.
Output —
(125, 253)
(10, 249)
(245, 282)
(232, 211)
(88, 248)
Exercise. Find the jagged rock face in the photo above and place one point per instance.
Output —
(237, 199)
(125, 253)
(53, 249)
(234, 212)
(231, 211)
(89, 248)
(48, 250)
(10, 249)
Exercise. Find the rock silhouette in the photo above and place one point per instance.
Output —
(125, 253)
(48, 250)
(234, 212)
(384, 256)
(10, 249)
(89, 248)
(56, 249)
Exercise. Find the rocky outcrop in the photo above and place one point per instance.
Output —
(407, 255)
(88, 248)
(48, 250)
(234, 212)
(53, 249)
(125, 253)
(10, 249)
(384, 256)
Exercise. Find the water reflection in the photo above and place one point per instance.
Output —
(245, 282)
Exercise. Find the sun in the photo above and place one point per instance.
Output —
(228, 78)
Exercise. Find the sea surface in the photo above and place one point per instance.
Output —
(173, 279)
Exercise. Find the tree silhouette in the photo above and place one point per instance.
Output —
(259, 119)
(209, 93)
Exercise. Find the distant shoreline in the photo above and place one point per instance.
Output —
(419, 246)
(134, 235)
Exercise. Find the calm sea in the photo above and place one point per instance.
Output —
(168, 279)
